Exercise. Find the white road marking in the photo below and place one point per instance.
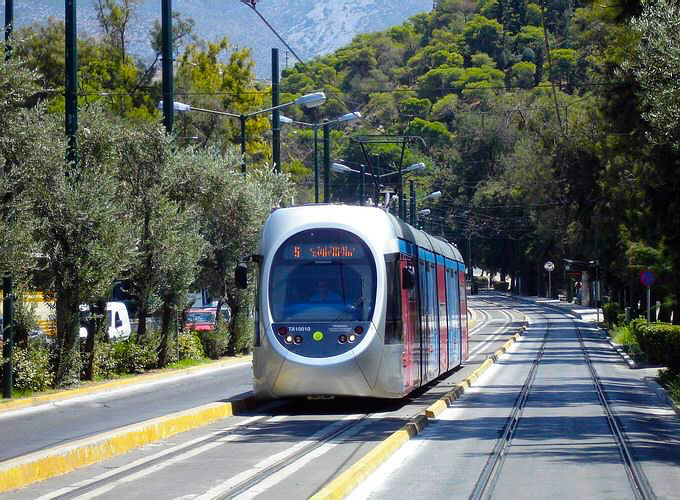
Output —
(279, 476)
(225, 486)
(142, 461)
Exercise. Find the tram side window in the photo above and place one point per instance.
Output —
(394, 332)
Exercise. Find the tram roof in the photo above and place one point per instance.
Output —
(424, 240)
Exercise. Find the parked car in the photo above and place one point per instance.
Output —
(118, 320)
(204, 319)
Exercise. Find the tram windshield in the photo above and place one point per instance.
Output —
(322, 275)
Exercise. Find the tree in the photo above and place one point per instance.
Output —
(414, 107)
(82, 231)
(232, 209)
(522, 75)
(656, 68)
(483, 35)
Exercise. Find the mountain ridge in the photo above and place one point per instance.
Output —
(310, 27)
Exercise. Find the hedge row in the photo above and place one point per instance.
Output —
(660, 342)
(34, 364)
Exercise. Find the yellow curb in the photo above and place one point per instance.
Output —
(59, 460)
(113, 384)
(346, 481)
(341, 486)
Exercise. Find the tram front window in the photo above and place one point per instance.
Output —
(322, 275)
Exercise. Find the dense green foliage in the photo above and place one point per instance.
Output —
(551, 129)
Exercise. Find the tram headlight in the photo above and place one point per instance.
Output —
(289, 339)
(359, 329)
(298, 339)
(342, 339)
(283, 331)
(352, 338)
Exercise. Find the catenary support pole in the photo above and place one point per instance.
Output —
(316, 163)
(166, 48)
(242, 119)
(401, 182)
(362, 184)
(7, 279)
(276, 115)
(326, 162)
(412, 204)
(71, 96)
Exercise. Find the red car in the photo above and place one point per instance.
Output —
(203, 319)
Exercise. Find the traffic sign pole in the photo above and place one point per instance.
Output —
(649, 303)
(648, 278)
(550, 267)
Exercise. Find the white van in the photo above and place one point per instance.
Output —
(119, 321)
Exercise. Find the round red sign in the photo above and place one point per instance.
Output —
(647, 278)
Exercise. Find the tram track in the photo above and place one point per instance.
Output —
(489, 476)
(485, 485)
(239, 483)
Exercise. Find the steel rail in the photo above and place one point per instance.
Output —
(265, 473)
(491, 471)
(636, 476)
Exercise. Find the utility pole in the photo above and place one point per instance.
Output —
(326, 162)
(276, 115)
(7, 279)
(168, 91)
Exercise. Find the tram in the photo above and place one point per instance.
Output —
(352, 301)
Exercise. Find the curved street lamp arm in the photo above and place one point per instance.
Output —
(213, 112)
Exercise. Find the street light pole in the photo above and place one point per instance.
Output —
(326, 162)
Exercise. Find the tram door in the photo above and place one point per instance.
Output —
(429, 342)
(442, 314)
(409, 314)
(452, 293)
(463, 313)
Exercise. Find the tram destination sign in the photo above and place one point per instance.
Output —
(648, 278)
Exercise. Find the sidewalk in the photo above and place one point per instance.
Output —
(589, 314)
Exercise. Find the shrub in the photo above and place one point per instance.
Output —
(32, 368)
(503, 286)
(660, 342)
(190, 346)
(104, 365)
(244, 327)
(624, 335)
(136, 357)
(611, 311)
(216, 342)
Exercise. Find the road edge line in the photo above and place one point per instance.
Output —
(112, 385)
(343, 484)
(38, 466)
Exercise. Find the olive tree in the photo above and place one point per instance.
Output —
(232, 209)
(82, 231)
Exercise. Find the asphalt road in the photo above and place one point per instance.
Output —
(267, 443)
(31, 430)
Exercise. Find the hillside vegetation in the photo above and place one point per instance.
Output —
(548, 128)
